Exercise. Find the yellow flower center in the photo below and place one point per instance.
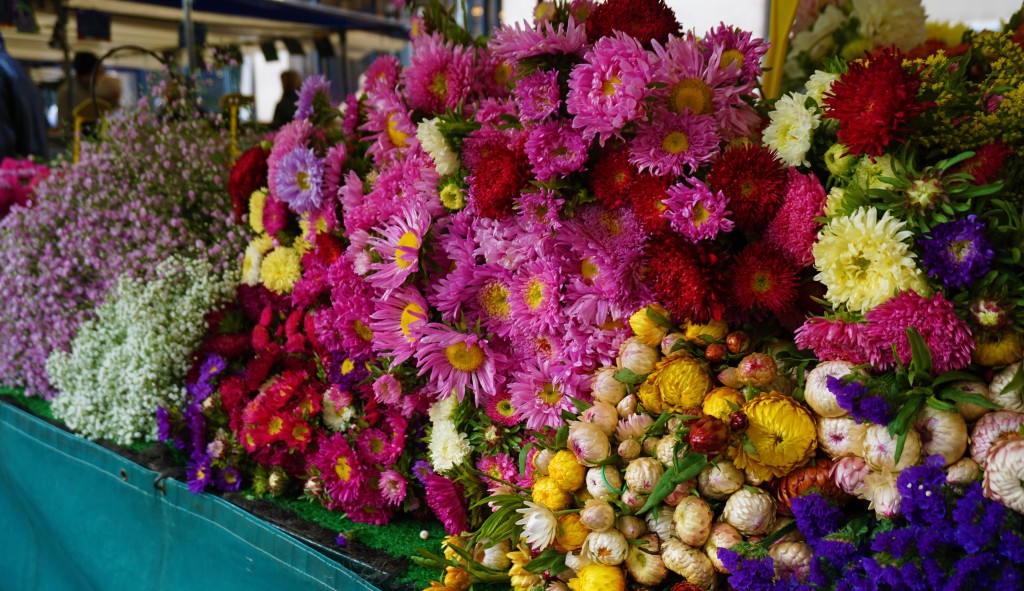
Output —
(960, 249)
(396, 136)
(692, 94)
(588, 269)
(439, 85)
(549, 394)
(464, 357)
(362, 331)
(611, 223)
(408, 249)
(229, 477)
(534, 293)
(301, 432)
(731, 57)
(347, 366)
(452, 197)
(376, 445)
(675, 142)
(343, 469)
(494, 299)
(504, 408)
(700, 215)
(275, 425)
(302, 179)
(410, 314)
(200, 473)
(762, 283)
(609, 85)
(502, 73)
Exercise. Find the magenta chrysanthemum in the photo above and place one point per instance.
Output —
(521, 41)
(793, 230)
(445, 499)
(387, 390)
(456, 361)
(375, 447)
(696, 212)
(382, 76)
(947, 336)
(439, 75)
(495, 468)
(834, 340)
(491, 286)
(674, 144)
(555, 149)
(340, 470)
(398, 244)
(537, 95)
(737, 49)
(609, 88)
(536, 296)
(344, 326)
(537, 397)
(389, 128)
(538, 211)
(397, 323)
(501, 410)
(392, 487)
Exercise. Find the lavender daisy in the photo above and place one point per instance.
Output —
(957, 253)
(674, 144)
(311, 88)
(555, 149)
(537, 95)
(456, 361)
(199, 474)
(213, 366)
(299, 177)
(697, 212)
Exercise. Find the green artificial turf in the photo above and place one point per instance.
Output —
(36, 406)
(400, 538)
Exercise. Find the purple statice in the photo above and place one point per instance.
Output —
(748, 574)
(198, 473)
(537, 95)
(977, 520)
(957, 253)
(853, 397)
(195, 425)
(921, 489)
(311, 87)
(816, 517)
(555, 150)
(299, 178)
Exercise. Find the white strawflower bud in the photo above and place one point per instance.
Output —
(644, 562)
(692, 519)
(963, 472)
(666, 452)
(669, 342)
(659, 521)
(603, 415)
(631, 526)
(816, 392)
(792, 560)
(633, 426)
(629, 449)
(541, 461)
(627, 406)
(642, 474)
(1007, 399)
(991, 428)
(633, 499)
(841, 436)
(604, 482)
(719, 480)
(597, 515)
(1004, 474)
(849, 472)
(880, 489)
(722, 536)
(589, 443)
(750, 510)
(941, 432)
(880, 449)
(972, 412)
(606, 547)
(637, 357)
(689, 562)
(496, 557)
(605, 388)
(680, 492)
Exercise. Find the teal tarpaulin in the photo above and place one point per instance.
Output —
(76, 516)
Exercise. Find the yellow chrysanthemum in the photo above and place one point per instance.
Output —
(649, 331)
(280, 269)
(676, 383)
(715, 330)
(598, 577)
(782, 433)
(522, 579)
(457, 579)
(571, 533)
(453, 542)
(863, 260)
(717, 402)
(993, 352)
(547, 493)
(257, 201)
(566, 472)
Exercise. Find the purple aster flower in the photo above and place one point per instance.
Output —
(854, 399)
(299, 177)
(921, 490)
(674, 144)
(311, 87)
(958, 253)
(213, 366)
(199, 391)
(163, 424)
(228, 479)
(696, 212)
(198, 473)
(420, 470)
(555, 149)
(537, 95)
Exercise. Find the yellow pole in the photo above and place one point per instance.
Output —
(780, 21)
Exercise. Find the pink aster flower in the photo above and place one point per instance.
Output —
(382, 76)
(834, 340)
(439, 76)
(456, 361)
(502, 412)
(495, 468)
(390, 129)
(344, 326)
(340, 470)
(445, 498)
(370, 507)
(947, 336)
(538, 95)
(398, 244)
(397, 323)
(697, 212)
(674, 144)
(491, 287)
(535, 301)
(387, 390)
(539, 210)
(491, 111)
(392, 487)
(609, 89)
(734, 48)
(555, 149)
(452, 293)
(375, 447)
(793, 229)
(521, 40)
(490, 74)
(294, 134)
(537, 396)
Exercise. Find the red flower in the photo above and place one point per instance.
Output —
(646, 20)
(647, 193)
(249, 174)
(684, 279)
(753, 179)
(612, 178)
(986, 164)
(763, 280)
(873, 102)
(501, 169)
(234, 398)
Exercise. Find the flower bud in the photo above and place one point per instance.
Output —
(665, 452)
(588, 442)
(1004, 474)
(880, 449)
(792, 560)
(650, 445)
(881, 490)
(496, 557)
(838, 162)
(972, 412)
(637, 357)
(626, 406)
(598, 515)
(708, 435)
(631, 526)
(757, 370)
(720, 480)
(606, 547)
(692, 519)
(642, 474)
(604, 482)
(644, 563)
(647, 330)
(680, 492)
(541, 461)
(629, 449)
(722, 536)
(715, 353)
(633, 499)
(841, 436)
(605, 388)
(659, 521)
(963, 472)
(738, 422)
(603, 415)
(817, 394)
(668, 344)
(848, 473)
(990, 429)
(737, 342)
(730, 377)
(750, 511)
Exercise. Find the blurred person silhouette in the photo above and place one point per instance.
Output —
(291, 82)
(22, 121)
(73, 91)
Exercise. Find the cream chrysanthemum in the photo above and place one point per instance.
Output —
(791, 129)
(863, 260)
(253, 258)
(819, 83)
(891, 22)
(448, 446)
(446, 161)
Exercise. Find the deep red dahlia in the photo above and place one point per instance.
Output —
(249, 174)
(753, 178)
(684, 278)
(647, 194)
(986, 164)
(763, 280)
(646, 20)
(499, 175)
(873, 102)
(611, 178)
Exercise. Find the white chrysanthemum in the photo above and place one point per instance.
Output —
(448, 447)
(834, 200)
(891, 22)
(791, 129)
(864, 260)
(133, 356)
(819, 83)
(442, 410)
(336, 415)
(446, 161)
(817, 40)
(539, 525)
(254, 258)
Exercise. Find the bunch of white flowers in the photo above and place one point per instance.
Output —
(134, 355)
(448, 446)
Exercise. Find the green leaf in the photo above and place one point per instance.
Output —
(524, 454)
(1016, 383)
(581, 405)
(562, 436)
(549, 560)
(962, 396)
(940, 404)
(626, 376)
(658, 319)
(921, 357)
(953, 376)
(688, 468)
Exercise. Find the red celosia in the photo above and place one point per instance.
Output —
(233, 395)
(684, 277)
(874, 101)
(753, 179)
(987, 163)
(612, 177)
(763, 280)
(646, 20)
(501, 169)
(249, 174)
(647, 194)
